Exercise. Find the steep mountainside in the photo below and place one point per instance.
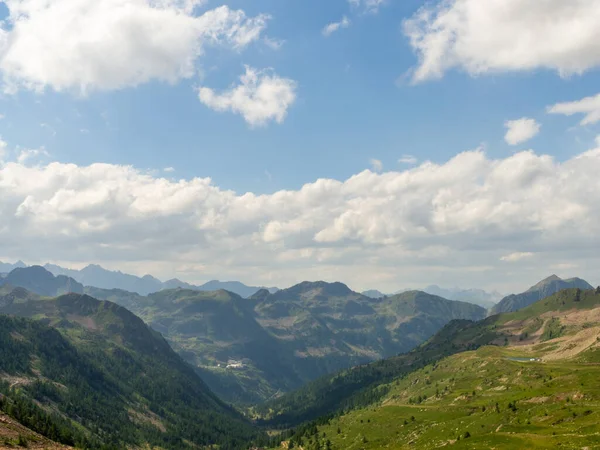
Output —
(535, 386)
(543, 289)
(101, 367)
(580, 311)
(39, 280)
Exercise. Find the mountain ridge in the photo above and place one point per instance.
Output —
(95, 275)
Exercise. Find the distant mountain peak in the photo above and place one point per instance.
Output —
(41, 281)
(551, 278)
(335, 288)
(545, 282)
(373, 293)
(260, 295)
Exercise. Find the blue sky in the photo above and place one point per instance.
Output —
(350, 108)
(356, 99)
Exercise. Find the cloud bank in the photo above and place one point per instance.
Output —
(429, 222)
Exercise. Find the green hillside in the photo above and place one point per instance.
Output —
(110, 378)
(476, 400)
(536, 386)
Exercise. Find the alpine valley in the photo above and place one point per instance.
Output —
(313, 366)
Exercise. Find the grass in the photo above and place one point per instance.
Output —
(495, 402)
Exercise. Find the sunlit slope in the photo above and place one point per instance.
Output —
(480, 400)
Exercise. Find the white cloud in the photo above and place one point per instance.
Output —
(521, 130)
(435, 222)
(331, 28)
(27, 155)
(493, 36)
(261, 96)
(87, 45)
(376, 165)
(408, 159)
(169, 169)
(517, 256)
(589, 107)
(370, 6)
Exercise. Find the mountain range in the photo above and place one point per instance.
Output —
(335, 368)
(277, 341)
(97, 276)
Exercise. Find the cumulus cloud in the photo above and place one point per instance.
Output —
(331, 28)
(261, 96)
(589, 107)
(521, 130)
(87, 45)
(517, 256)
(493, 36)
(452, 219)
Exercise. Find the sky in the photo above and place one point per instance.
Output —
(386, 144)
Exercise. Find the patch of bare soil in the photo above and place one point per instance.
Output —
(86, 322)
(147, 417)
(571, 346)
